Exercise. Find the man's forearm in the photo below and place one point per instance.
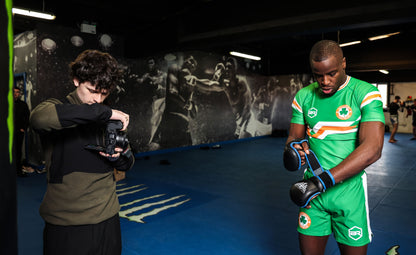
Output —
(368, 152)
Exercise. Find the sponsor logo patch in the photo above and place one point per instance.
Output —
(344, 112)
(355, 233)
(304, 220)
(312, 112)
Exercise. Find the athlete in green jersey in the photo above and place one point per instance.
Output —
(342, 118)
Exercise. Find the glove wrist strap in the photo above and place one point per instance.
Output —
(314, 163)
(326, 179)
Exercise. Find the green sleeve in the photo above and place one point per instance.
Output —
(44, 117)
(371, 105)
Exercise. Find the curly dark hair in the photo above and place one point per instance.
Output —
(99, 68)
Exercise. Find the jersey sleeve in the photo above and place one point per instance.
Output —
(297, 105)
(297, 113)
(372, 105)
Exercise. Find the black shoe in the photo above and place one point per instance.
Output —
(413, 138)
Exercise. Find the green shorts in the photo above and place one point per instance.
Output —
(341, 210)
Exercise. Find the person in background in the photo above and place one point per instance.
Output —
(80, 207)
(343, 121)
(394, 108)
(21, 123)
(408, 102)
(412, 111)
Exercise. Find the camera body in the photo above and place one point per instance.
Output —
(114, 137)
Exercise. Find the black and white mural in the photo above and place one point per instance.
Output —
(174, 100)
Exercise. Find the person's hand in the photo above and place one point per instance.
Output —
(121, 116)
(114, 156)
(302, 192)
(302, 149)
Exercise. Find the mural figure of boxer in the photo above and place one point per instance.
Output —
(180, 106)
(238, 92)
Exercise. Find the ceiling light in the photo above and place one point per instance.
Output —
(382, 36)
(383, 71)
(35, 14)
(243, 55)
(349, 43)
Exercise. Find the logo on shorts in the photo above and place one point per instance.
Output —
(304, 220)
(355, 233)
(312, 112)
(343, 112)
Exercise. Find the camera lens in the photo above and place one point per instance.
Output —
(121, 140)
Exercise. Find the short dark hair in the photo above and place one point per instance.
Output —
(397, 97)
(99, 68)
(323, 49)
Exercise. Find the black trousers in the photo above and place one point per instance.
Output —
(103, 238)
(18, 145)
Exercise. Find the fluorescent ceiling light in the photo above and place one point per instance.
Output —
(35, 14)
(349, 43)
(382, 36)
(384, 71)
(243, 55)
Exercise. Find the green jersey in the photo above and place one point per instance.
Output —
(333, 122)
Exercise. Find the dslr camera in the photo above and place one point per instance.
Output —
(113, 138)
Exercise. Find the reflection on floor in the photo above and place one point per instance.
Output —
(233, 199)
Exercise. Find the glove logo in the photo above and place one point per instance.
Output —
(301, 186)
(312, 112)
(355, 233)
(304, 220)
(344, 112)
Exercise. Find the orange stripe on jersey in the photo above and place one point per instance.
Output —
(297, 106)
(370, 98)
(324, 129)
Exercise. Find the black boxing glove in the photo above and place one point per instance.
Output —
(303, 191)
(291, 156)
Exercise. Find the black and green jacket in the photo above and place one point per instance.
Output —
(81, 186)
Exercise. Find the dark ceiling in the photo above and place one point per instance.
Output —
(282, 33)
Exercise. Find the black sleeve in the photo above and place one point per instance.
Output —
(73, 114)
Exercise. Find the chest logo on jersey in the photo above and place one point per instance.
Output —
(312, 112)
(344, 112)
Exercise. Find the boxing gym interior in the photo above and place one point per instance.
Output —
(224, 193)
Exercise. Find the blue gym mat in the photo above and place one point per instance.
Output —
(233, 200)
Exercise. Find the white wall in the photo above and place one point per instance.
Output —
(402, 89)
